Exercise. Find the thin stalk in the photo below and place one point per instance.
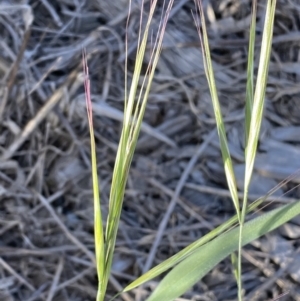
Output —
(255, 123)
(98, 226)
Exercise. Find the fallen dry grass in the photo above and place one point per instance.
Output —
(176, 190)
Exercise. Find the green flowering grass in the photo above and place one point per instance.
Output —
(196, 260)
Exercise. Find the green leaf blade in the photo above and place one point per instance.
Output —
(135, 106)
(191, 270)
(250, 76)
(175, 259)
(260, 88)
(209, 71)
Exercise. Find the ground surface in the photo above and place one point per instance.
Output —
(46, 215)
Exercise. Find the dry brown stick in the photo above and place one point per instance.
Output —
(52, 13)
(38, 118)
(51, 199)
(118, 287)
(19, 252)
(280, 296)
(74, 279)
(45, 74)
(103, 109)
(226, 193)
(173, 202)
(69, 235)
(7, 267)
(70, 130)
(55, 280)
(11, 76)
(80, 245)
(134, 45)
(121, 17)
(285, 284)
(8, 226)
(15, 67)
(187, 208)
(3, 102)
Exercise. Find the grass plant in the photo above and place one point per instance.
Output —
(196, 260)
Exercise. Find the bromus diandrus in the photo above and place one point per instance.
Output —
(192, 263)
